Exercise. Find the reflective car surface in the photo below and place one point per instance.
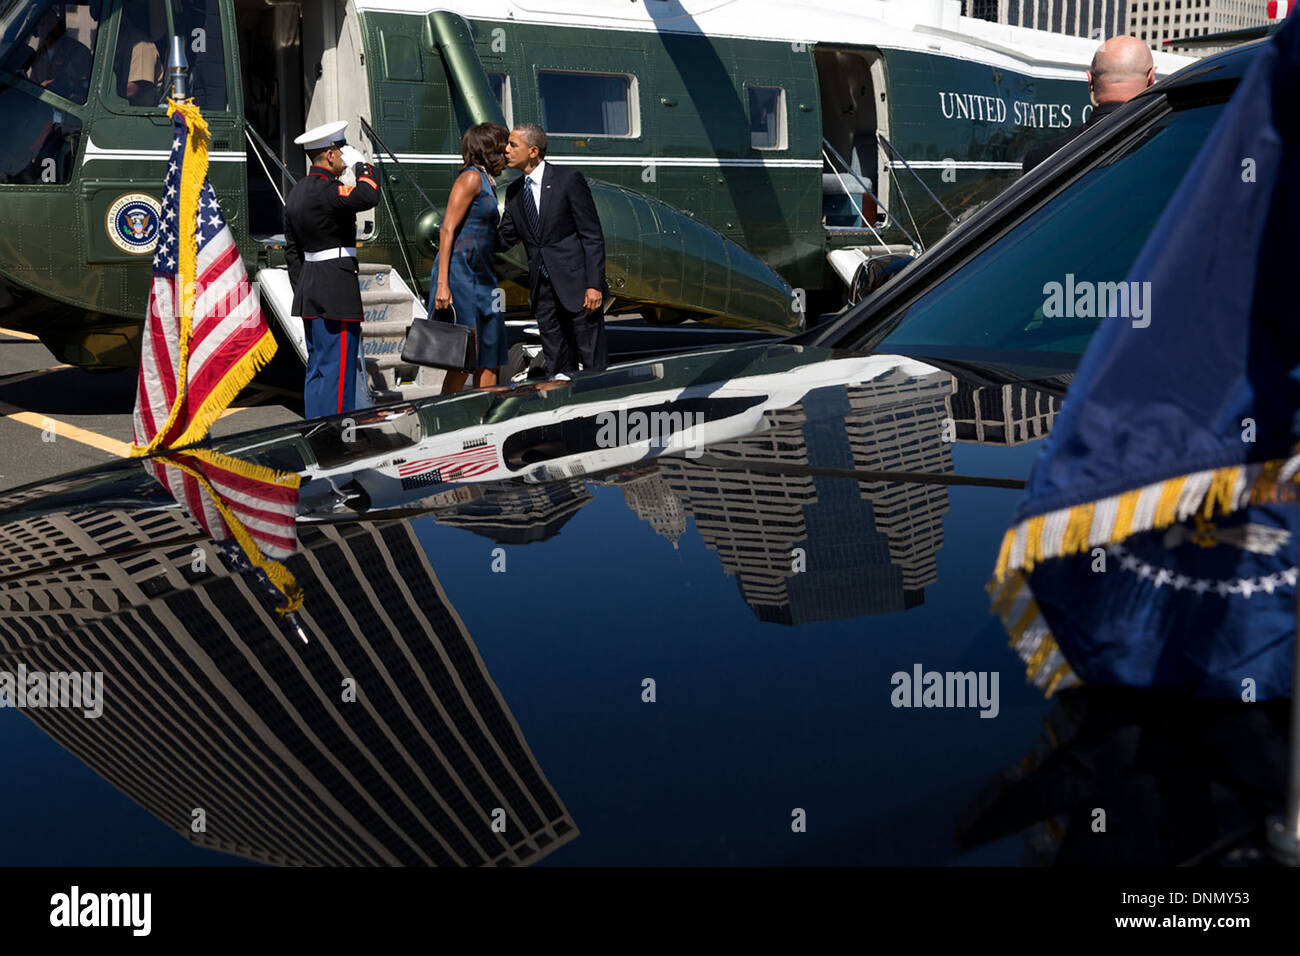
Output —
(678, 612)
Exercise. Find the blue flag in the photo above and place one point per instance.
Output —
(1156, 544)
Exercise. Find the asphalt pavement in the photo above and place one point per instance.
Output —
(56, 419)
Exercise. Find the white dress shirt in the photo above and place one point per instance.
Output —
(536, 187)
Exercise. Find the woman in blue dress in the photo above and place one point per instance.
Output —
(465, 280)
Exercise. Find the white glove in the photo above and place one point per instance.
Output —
(351, 155)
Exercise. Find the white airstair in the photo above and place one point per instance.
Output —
(847, 260)
(390, 307)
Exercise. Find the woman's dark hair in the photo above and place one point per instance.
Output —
(485, 145)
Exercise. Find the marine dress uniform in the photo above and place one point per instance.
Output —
(320, 247)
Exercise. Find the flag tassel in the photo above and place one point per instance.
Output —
(276, 572)
(1109, 521)
(219, 399)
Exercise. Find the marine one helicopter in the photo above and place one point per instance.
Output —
(748, 158)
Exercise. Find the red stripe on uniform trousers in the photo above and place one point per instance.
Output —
(343, 364)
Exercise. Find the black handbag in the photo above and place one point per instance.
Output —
(439, 343)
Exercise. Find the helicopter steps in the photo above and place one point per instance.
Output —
(848, 260)
(389, 306)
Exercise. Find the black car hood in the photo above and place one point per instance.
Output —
(527, 633)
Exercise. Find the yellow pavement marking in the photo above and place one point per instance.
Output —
(64, 430)
(24, 376)
(26, 336)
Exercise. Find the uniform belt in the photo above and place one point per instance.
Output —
(339, 252)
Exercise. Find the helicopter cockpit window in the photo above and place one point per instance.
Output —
(140, 60)
(51, 44)
(40, 142)
(199, 22)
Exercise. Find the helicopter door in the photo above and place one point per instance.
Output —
(302, 65)
(336, 85)
(271, 68)
(853, 111)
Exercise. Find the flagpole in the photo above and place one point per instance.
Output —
(178, 70)
(1284, 831)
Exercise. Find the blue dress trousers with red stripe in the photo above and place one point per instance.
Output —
(320, 214)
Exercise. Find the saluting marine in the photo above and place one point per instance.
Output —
(320, 247)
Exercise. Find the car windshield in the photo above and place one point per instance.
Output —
(1033, 298)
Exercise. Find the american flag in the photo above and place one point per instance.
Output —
(454, 467)
(205, 336)
(248, 510)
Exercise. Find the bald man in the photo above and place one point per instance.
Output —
(1121, 69)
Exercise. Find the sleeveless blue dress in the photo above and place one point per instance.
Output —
(472, 277)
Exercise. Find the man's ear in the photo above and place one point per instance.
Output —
(1151, 76)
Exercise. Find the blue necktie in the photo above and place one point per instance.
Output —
(534, 219)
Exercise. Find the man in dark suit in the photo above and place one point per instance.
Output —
(1121, 69)
(551, 210)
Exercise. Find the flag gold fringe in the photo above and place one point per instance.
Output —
(1225, 490)
(193, 173)
(1074, 530)
(246, 469)
(1045, 664)
(278, 574)
(226, 391)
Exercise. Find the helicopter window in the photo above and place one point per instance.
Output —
(401, 57)
(199, 21)
(586, 104)
(500, 83)
(767, 117)
(40, 142)
(140, 60)
(53, 48)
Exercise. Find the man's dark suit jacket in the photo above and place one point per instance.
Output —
(1039, 153)
(571, 242)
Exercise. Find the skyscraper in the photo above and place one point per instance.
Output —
(380, 740)
(807, 547)
(1081, 18)
(1156, 21)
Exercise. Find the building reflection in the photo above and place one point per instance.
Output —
(1002, 413)
(806, 547)
(210, 705)
(516, 513)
